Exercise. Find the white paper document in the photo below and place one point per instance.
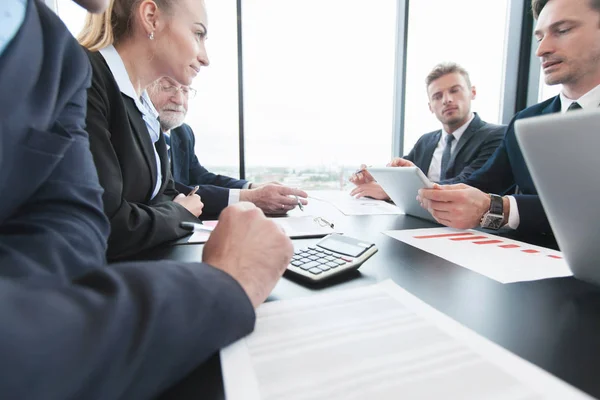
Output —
(202, 236)
(307, 226)
(376, 343)
(294, 227)
(348, 205)
(503, 260)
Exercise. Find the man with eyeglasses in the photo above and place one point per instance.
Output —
(217, 191)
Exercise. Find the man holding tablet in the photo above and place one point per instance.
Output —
(450, 154)
(568, 36)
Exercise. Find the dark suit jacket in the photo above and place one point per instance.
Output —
(122, 332)
(51, 202)
(126, 165)
(476, 145)
(507, 168)
(187, 170)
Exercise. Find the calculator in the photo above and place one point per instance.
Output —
(333, 255)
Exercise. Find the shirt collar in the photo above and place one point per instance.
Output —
(589, 100)
(459, 132)
(143, 103)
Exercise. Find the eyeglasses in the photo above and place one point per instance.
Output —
(323, 222)
(187, 91)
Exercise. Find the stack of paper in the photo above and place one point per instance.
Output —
(376, 342)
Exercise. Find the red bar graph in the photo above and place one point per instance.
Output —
(509, 246)
(444, 235)
(469, 238)
(488, 242)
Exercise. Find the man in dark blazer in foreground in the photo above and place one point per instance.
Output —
(124, 331)
(453, 153)
(217, 191)
(568, 35)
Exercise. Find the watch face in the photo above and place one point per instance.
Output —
(492, 221)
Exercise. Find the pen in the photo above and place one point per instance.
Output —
(358, 171)
(192, 226)
(194, 190)
(299, 203)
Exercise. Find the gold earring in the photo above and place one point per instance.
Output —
(151, 36)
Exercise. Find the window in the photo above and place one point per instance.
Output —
(318, 88)
(547, 91)
(213, 113)
(71, 14)
(469, 32)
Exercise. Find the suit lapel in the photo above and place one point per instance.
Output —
(429, 150)
(553, 106)
(140, 131)
(471, 130)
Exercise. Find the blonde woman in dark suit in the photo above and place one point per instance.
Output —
(130, 45)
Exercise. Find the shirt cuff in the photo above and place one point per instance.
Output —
(513, 216)
(247, 185)
(234, 196)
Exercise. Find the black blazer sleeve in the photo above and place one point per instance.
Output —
(135, 224)
(493, 138)
(124, 332)
(51, 218)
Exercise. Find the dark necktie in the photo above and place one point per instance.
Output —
(574, 106)
(446, 155)
(168, 140)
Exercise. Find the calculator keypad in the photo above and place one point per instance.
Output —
(316, 260)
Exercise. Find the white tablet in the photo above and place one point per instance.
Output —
(402, 184)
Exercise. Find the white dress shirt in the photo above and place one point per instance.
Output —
(12, 16)
(589, 100)
(435, 167)
(143, 103)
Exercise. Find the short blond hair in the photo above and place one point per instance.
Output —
(444, 69)
(538, 5)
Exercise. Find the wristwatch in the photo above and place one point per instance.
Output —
(494, 217)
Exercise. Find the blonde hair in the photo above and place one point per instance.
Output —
(114, 24)
(446, 68)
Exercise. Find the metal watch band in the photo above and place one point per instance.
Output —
(496, 204)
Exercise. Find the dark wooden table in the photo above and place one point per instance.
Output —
(552, 323)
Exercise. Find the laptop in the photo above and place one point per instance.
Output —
(402, 184)
(562, 154)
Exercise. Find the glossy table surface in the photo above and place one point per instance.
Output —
(552, 323)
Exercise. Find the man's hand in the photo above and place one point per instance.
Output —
(250, 248)
(400, 162)
(191, 202)
(257, 185)
(361, 176)
(457, 206)
(371, 189)
(273, 198)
